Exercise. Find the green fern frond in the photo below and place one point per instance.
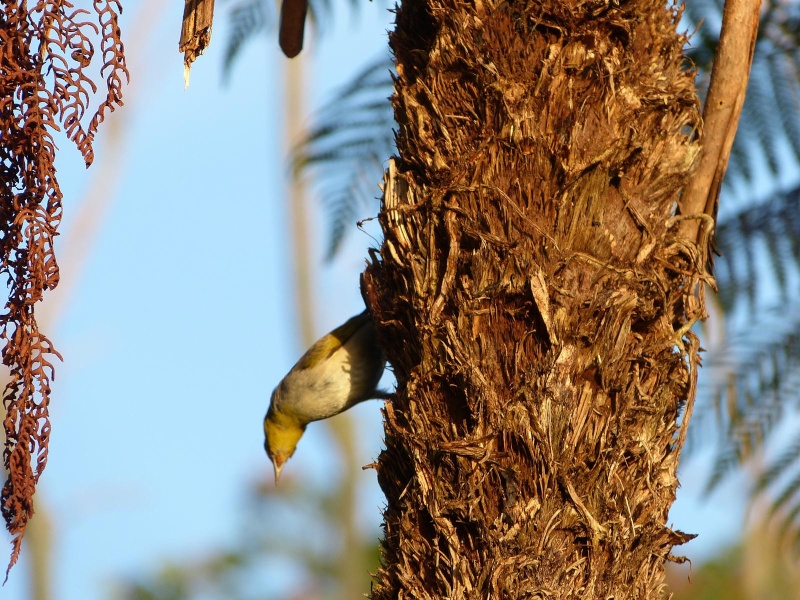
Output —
(724, 463)
(749, 382)
(778, 467)
(783, 77)
(247, 19)
(343, 209)
(758, 115)
(346, 149)
(740, 164)
(788, 496)
(760, 245)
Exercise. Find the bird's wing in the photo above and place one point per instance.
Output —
(320, 351)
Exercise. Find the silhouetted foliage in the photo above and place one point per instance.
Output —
(752, 381)
(249, 18)
(346, 149)
(246, 19)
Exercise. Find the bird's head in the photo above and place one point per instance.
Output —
(281, 434)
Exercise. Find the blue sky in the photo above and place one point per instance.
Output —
(179, 323)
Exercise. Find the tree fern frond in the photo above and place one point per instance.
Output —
(347, 146)
(783, 76)
(776, 257)
(758, 114)
(740, 164)
(343, 208)
(345, 139)
(790, 492)
(779, 466)
(344, 155)
(749, 380)
(247, 19)
(724, 464)
(360, 112)
(771, 228)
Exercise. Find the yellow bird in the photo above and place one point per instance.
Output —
(341, 369)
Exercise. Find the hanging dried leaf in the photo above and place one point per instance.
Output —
(198, 16)
(45, 52)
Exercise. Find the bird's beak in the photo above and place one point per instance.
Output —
(277, 463)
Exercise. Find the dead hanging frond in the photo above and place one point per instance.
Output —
(46, 52)
(346, 148)
(198, 18)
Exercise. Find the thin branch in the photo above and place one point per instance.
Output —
(723, 106)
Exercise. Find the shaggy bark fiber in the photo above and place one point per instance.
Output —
(534, 299)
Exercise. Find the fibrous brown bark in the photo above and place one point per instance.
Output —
(534, 298)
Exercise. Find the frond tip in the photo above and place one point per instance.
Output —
(246, 20)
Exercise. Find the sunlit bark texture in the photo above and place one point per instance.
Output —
(533, 296)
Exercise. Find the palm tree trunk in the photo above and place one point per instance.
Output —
(534, 299)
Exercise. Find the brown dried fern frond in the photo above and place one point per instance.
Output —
(45, 84)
